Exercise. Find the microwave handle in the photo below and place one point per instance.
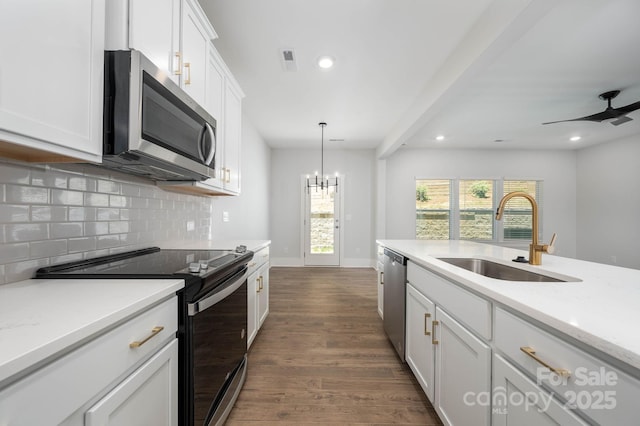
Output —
(212, 152)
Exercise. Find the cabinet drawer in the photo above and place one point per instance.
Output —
(66, 384)
(472, 310)
(259, 258)
(603, 392)
(518, 401)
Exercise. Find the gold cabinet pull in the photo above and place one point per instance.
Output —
(258, 287)
(154, 332)
(532, 353)
(427, 315)
(228, 175)
(433, 331)
(187, 80)
(178, 67)
(261, 282)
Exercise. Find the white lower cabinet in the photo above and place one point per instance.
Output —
(518, 401)
(380, 269)
(147, 396)
(263, 294)
(419, 349)
(452, 366)
(463, 373)
(536, 376)
(128, 376)
(579, 380)
(257, 293)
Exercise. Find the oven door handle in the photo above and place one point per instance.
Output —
(201, 305)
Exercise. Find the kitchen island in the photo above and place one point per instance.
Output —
(545, 334)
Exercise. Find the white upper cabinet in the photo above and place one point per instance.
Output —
(150, 26)
(232, 138)
(173, 34)
(51, 79)
(196, 35)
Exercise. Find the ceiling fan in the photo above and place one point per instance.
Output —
(618, 115)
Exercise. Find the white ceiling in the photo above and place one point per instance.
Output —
(475, 71)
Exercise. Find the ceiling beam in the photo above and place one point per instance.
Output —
(502, 23)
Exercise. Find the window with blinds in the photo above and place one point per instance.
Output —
(465, 209)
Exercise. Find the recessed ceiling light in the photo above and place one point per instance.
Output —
(440, 137)
(575, 138)
(325, 62)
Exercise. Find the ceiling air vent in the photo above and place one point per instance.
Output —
(288, 59)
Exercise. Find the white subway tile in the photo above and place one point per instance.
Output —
(23, 270)
(48, 214)
(14, 252)
(107, 241)
(48, 248)
(65, 258)
(96, 228)
(14, 213)
(108, 214)
(81, 244)
(27, 194)
(139, 203)
(66, 229)
(66, 197)
(119, 227)
(82, 214)
(130, 190)
(14, 174)
(96, 200)
(48, 178)
(78, 183)
(26, 232)
(108, 187)
(117, 201)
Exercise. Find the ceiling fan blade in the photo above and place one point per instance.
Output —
(629, 108)
(607, 114)
(621, 120)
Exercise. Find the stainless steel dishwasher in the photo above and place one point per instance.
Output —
(395, 278)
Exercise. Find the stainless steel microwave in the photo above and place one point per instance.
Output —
(152, 127)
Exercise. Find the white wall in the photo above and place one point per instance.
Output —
(287, 168)
(556, 168)
(249, 212)
(608, 203)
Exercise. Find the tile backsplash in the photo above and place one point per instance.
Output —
(55, 214)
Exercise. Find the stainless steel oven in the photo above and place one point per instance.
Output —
(212, 319)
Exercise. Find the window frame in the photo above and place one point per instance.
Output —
(498, 225)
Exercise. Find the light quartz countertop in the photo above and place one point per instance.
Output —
(602, 309)
(41, 319)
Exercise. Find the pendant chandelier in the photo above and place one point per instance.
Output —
(323, 181)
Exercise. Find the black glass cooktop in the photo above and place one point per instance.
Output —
(191, 265)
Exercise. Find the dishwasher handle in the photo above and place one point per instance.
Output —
(395, 257)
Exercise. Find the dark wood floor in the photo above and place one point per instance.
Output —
(322, 357)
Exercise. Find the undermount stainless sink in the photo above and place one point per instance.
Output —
(499, 271)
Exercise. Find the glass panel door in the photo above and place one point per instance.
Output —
(322, 227)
